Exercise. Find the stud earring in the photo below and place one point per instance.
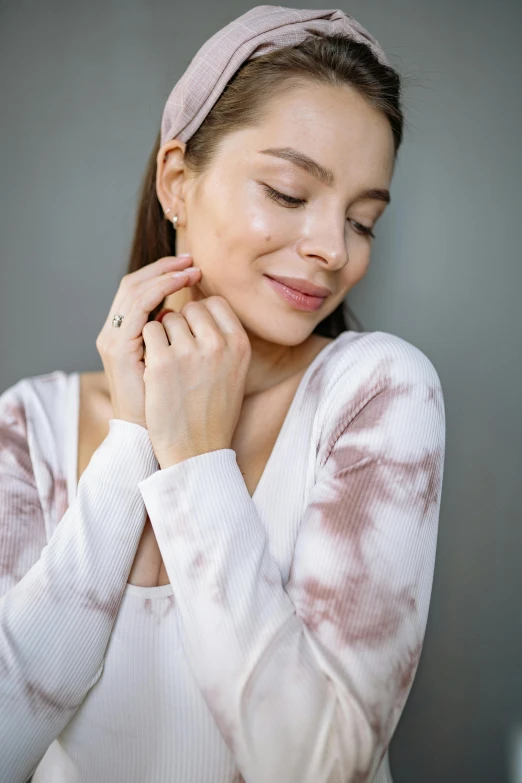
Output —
(174, 218)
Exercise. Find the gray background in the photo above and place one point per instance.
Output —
(82, 90)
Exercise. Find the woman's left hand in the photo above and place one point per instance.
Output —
(196, 364)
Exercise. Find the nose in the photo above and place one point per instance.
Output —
(326, 240)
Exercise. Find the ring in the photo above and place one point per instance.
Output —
(117, 319)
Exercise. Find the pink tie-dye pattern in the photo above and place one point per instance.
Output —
(170, 604)
(68, 582)
(339, 643)
(19, 546)
(305, 664)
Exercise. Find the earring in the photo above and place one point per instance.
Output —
(174, 219)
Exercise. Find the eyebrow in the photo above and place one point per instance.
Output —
(324, 175)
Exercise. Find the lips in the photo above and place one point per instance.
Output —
(302, 286)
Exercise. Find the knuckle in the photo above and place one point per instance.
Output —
(127, 282)
(157, 363)
(111, 351)
(217, 342)
(185, 352)
(150, 326)
(164, 280)
(241, 341)
(190, 304)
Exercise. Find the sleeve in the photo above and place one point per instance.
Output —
(55, 622)
(307, 680)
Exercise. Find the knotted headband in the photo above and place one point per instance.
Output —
(252, 34)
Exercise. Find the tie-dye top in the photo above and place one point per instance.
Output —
(284, 647)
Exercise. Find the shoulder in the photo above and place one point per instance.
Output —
(381, 356)
(361, 365)
(34, 397)
(31, 483)
(34, 442)
(379, 382)
(34, 415)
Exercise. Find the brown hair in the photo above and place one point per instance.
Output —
(331, 60)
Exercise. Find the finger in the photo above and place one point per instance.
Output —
(154, 337)
(139, 303)
(153, 271)
(198, 319)
(156, 268)
(162, 313)
(223, 315)
(177, 329)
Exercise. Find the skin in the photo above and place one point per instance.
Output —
(236, 232)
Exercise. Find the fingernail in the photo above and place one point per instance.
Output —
(185, 271)
(184, 255)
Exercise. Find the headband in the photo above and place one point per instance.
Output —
(252, 34)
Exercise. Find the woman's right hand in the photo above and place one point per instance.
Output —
(122, 348)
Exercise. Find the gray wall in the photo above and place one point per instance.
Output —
(82, 90)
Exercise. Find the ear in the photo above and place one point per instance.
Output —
(171, 176)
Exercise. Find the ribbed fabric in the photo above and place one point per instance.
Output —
(284, 647)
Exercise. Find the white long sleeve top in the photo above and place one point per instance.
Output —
(285, 646)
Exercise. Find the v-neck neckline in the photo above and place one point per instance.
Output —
(296, 399)
(73, 422)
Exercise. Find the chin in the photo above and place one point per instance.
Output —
(289, 336)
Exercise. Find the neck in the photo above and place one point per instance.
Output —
(272, 364)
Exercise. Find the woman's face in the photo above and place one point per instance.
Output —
(240, 235)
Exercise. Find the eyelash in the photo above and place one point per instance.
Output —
(275, 195)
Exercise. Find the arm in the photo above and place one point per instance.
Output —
(307, 680)
(56, 620)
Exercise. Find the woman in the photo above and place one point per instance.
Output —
(217, 554)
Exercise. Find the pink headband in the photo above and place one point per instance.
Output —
(252, 34)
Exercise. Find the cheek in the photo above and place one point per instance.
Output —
(249, 233)
(356, 269)
(265, 221)
(234, 228)
(361, 267)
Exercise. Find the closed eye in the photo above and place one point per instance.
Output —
(275, 195)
